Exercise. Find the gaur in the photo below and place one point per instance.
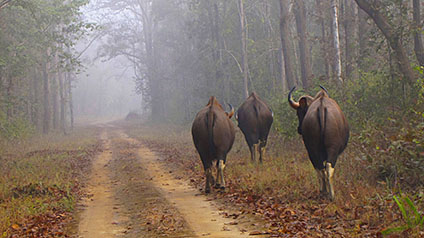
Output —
(213, 136)
(325, 133)
(254, 120)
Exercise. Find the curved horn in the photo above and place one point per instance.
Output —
(292, 103)
(231, 113)
(322, 87)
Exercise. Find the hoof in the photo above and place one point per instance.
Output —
(222, 187)
(207, 190)
(217, 185)
(323, 194)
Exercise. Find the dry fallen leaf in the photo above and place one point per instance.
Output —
(15, 227)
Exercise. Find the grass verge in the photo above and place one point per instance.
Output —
(41, 181)
(284, 189)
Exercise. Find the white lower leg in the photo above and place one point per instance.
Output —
(261, 152)
(218, 175)
(330, 172)
(221, 172)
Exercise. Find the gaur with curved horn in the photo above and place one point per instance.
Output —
(213, 136)
(323, 88)
(295, 105)
(325, 133)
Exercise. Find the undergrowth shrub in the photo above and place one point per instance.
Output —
(16, 128)
(285, 118)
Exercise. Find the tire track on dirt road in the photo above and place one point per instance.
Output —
(101, 216)
(203, 218)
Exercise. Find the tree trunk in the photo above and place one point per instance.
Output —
(285, 43)
(46, 99)
(62, 102)
(418, 42)
(55, 105)
(336, 41)
(348, 33)
(153, 79)
(362, 36)
(9, 99)
(271, 54)
(305, 60)
(372, 9)
(34, 100)
(71, 105)
(244, 49)
(323, 39)
(284, 83)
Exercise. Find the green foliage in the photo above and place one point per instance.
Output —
(285, 117)
(17, 128)
(32, 34)
(386, 118)
(410, 214)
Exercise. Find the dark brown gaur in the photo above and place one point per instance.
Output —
(213, 136)
(325, 133)
(254, 120)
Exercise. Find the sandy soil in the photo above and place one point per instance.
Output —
(101, 218)
(202, 216)
(132, 189)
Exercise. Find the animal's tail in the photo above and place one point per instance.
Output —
(322, 121)
(210, 124)
(257, 108)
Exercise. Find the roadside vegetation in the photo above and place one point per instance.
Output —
(41, 180)
(384, 159)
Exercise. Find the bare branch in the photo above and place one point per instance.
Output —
(4, 3)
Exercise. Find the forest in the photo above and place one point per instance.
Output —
(66, 65)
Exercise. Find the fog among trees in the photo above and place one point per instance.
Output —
(178, 53)
(69, 66)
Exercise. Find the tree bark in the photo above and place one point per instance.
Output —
(244, 49)
(9, 98)
(4, 3)
(349, 20)
(323, 39)
(55, 105)
(285, 43)
(71, 104)
(382, 22)
(62, 102)
(305, 59)
(34, 100)
(284, 83)
(362, 36)
(271, 57)
(336, 41)
(418, 42)
(153, 77)
(46, 99)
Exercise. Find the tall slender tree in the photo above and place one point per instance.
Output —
(417, 31)
(244, 58)
(285, 43)
(336, 41)
(374, 10)
(305, 59)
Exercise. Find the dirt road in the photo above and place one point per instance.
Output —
(134, 194)
(100, 218)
